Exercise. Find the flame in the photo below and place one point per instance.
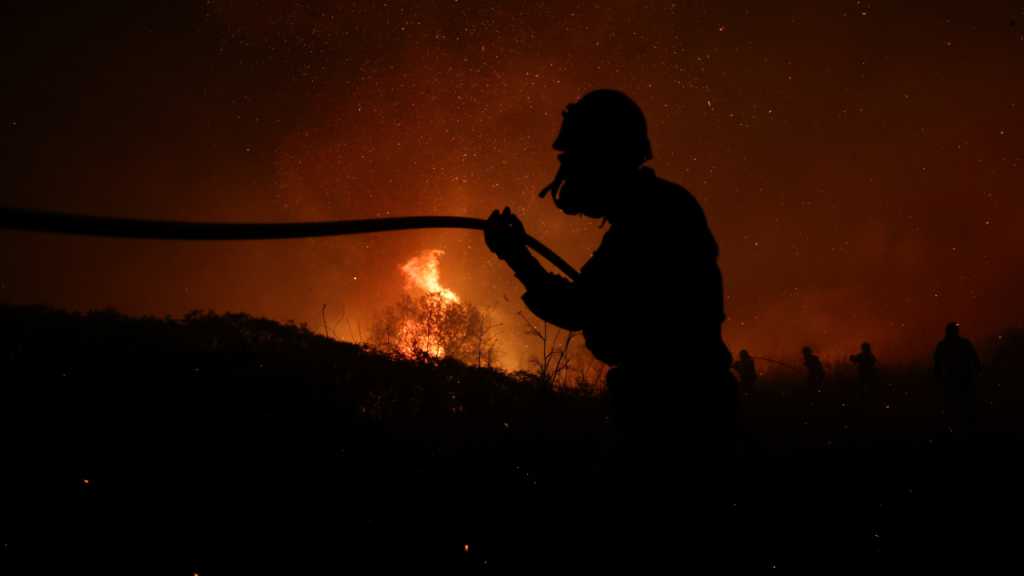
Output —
(423, 272)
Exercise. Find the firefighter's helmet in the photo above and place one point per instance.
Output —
(606, 124)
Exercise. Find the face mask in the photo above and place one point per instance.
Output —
(570, 204)
(573, 197)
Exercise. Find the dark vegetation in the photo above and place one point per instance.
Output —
(221, 442)
(228, 444)
(840, 481)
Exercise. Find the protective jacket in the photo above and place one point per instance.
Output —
(652, 291)
(815, 371)
(957, 356)
(866, 367)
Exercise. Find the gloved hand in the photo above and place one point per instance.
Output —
(505, 235)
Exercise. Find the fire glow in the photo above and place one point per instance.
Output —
(867, 236)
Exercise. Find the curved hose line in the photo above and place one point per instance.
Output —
(56, 222)
(777, 362)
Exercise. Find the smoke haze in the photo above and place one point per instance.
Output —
(859, 165)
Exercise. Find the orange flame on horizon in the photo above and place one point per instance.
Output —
(423, 272)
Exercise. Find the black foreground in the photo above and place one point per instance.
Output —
(224, 443)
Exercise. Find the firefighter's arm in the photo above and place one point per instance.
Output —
(555, 300)
(506, 237)
(551, 297)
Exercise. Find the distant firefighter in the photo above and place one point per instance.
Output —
(956, 368)
(745, 368)
(867, 369)
(815, 371)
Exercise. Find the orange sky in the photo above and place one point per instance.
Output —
(858, 163)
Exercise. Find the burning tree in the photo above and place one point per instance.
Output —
(432, 324)
(436, 324)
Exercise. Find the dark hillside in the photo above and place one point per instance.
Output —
(230, 444)
(219, 441)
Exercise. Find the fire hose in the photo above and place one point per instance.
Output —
(61, 223)
(777, 362)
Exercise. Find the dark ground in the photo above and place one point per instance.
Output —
(227, 444)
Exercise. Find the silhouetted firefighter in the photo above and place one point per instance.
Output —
(815, 371)
(867, 371)
(745, 368)
(649, 302)
(956, 367)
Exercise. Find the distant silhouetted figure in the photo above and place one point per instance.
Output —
(956, 368)
(867, 369)
(815, 371)
(745, 368)
(673, 396)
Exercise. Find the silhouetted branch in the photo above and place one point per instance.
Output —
(482, 339)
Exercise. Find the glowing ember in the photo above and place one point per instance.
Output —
(422, 272)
